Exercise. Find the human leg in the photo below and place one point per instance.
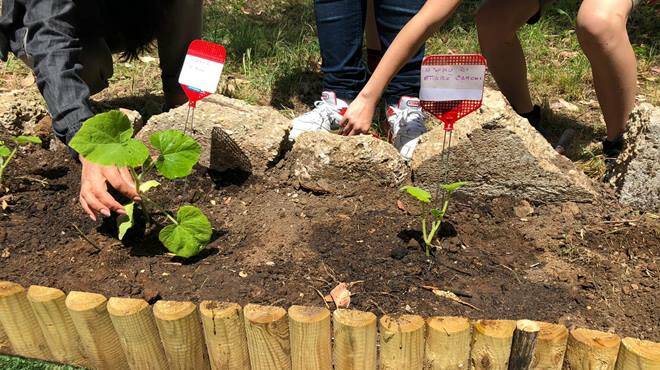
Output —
(601, 31)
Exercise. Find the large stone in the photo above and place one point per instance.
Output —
(21, 110)
(233, 134)
(637, 172)
(500, 154)
(329, 163)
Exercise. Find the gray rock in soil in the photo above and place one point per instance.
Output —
(637, 172)
(329, 163)
(21, 110)
(500, 154)
(233, 134)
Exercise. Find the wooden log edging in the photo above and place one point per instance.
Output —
(122, 333)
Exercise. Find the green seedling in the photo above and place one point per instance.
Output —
(107, 139)
(431, 217)
(7, 154)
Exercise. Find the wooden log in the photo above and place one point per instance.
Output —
(491, 344)
(267, 332)
(550, 347)
(5, 347)
(637, 354)
(448, 343)
(523, 344)
(311, 343)
(355, 340)
(134, 323)
(99, 341)
(592, 349)
(20, 324)
(181, 333)
(56, 325)
(401, 342)
(224, 331)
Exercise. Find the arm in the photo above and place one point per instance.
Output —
(182, 24)
(54, 46)
(433, 14)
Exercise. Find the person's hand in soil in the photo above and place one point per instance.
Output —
(358, 116)
(94, 196)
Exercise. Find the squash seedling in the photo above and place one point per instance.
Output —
(6, 154)
(431, 216)
(107, 139)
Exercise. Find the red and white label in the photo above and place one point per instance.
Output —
(452, 82)
(203, 65)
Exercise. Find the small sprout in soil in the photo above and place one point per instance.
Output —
(430, 213)
(7, 154)
(107, 139)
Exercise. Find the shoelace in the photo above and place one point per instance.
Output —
(401, 116)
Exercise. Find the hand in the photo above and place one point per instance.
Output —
(94, 196)
(358, 116)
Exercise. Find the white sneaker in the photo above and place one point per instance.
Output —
(407, 124)
(325, 116)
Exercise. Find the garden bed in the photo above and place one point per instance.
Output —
(592, 265)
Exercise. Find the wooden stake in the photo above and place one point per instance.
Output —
(181, 333)
(310, 332)
(224, 331)
(138, 335)
(99, 341)
(402, 342)
(20, 324)
(448, 343)
(550, 347)
(56, 325)
(491, 344)
(355, 340)
(523, 344)
(267, 332)
(592, 349)
(5, 347)
(637, 354)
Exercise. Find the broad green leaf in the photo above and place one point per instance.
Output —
(178, 153)
(106, 139)
(450, 188)
(148, 185)
(418, 193)
(437, 214)
(4, 151)
(191, 234)
(125, 222)
(20, 140)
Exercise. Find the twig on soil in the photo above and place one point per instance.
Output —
(377, 306)
(515, 274)
(449, 295)
(454, 268)
(43, 183)
(88, 240)
(172, 263)
(328, 271)
(322, 298)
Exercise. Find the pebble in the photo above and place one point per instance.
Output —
(243, 274)
(634, 286)
(270, 263)
(398, 253)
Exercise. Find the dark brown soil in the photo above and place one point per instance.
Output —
(592, 265)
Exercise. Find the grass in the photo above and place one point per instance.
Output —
(18, 363)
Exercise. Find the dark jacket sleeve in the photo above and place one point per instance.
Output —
(53, 46)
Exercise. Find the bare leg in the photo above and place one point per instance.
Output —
(374, 50)
(497, 23)
(601, 30)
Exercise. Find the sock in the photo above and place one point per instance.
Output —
(533, 117)
(612, 149)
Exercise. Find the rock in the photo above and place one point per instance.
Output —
(562, 104)
(636, 174)
(329, 163)
(233, 134)
(500, 154)
(135, 117)
(523, 209)
(398, 253)
(21, 110)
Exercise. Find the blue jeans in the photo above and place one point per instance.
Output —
(340, 25)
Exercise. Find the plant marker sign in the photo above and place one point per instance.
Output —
(452, 86)
(200, 74)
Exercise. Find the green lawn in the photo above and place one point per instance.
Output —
(17, 363)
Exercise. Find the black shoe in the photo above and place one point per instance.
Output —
(611, 152)
(534, 118)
